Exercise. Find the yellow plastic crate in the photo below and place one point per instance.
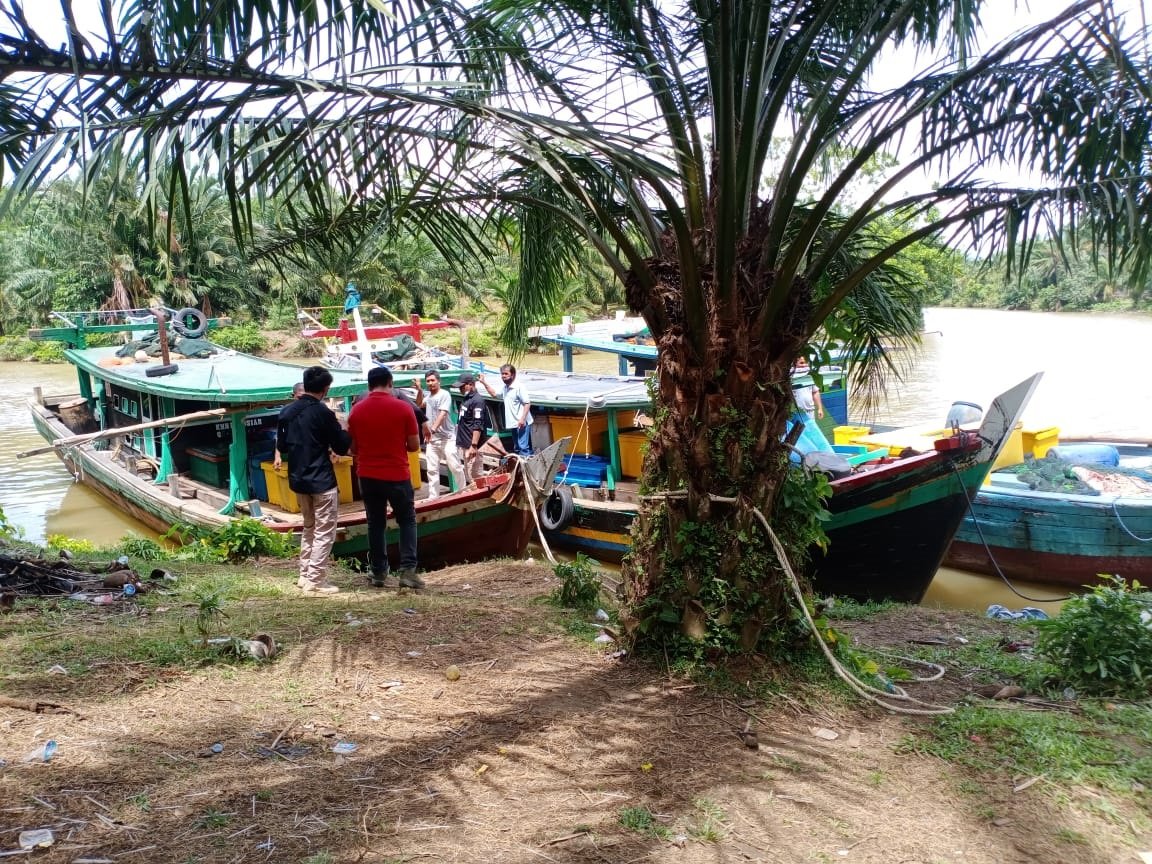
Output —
(632, 452)
(1039, 441)
(849, 434)
(1013, 452)
(280, 494)
(587, 438)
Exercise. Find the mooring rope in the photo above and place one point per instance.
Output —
(861, 688)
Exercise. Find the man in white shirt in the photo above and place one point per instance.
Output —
(517, 407)
(442, 440)
(808, 400)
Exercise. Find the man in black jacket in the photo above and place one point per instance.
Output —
(308, 433)
(470, 426)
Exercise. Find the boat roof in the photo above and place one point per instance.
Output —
(229, 377)
(576, 391)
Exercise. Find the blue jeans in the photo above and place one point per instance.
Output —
(378, 494)
(524, 440)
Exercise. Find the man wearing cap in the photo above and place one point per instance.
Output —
(470, 426)
(384, 432)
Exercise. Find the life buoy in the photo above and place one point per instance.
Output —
(557, 510)
(180, 322)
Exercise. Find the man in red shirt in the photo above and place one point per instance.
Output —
(384, 432)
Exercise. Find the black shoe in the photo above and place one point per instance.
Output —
(378, 579)
(409, 579)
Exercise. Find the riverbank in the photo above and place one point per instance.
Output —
(547, 746)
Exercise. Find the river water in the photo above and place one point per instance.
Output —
(1093, 384)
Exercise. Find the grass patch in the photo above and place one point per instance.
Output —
(709, 823)
(643, 821)
(847, 609)
(1107, 746)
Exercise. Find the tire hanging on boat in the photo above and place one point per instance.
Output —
(180, 322)
(557, 510)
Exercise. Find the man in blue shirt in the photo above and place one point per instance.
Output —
(517, 407)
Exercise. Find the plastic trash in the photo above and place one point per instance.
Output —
(38, 839)
(601, 615)
(43, 753)
(102, 599)
(343, 748)
(604, 639)
(129, 589)
(1002, 613)
(217, 747)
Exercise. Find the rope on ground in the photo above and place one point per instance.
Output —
(866, 691)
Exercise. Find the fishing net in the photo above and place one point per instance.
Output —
(1059, 475)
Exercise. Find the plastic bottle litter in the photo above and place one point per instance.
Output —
(343, 748)
(217, 747)
(102, 599)
(40, 838)
(43, 753)
(129, 589)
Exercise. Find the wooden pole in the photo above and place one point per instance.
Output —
(72, 440)
(162, 334)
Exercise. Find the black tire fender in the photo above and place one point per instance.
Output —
(180, 322)
(557, 510)
(158, 371)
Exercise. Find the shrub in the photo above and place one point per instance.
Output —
(49, 352)
(248, 538)
(1101, 642)
(141, 548)
(241, 337)
(16, 348)
(580, 588)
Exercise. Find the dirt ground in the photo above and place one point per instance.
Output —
(540, 751)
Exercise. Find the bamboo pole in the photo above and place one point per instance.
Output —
(180, 420)
(1104, 439)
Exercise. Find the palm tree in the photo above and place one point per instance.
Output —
(644, 128)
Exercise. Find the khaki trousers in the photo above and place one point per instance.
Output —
(319, 513)
(440, 449)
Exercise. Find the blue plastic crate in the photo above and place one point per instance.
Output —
(588, 471)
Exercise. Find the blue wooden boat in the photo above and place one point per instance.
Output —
(1061, 537)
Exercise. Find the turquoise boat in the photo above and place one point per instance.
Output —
(189, 443)
(1057, 535)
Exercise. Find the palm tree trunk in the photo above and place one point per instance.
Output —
(701, 572)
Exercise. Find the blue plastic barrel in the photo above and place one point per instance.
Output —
(1086, 454)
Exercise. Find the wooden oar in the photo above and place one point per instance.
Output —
(180, 420)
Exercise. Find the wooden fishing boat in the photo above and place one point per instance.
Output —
(891, 521)
(192, 446)
(1058, 536)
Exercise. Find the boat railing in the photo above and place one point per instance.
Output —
(139, 316)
